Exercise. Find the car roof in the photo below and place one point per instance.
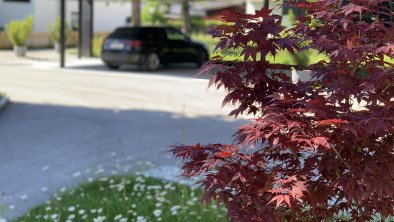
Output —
(144, 27)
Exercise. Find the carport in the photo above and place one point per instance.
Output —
(85, 28)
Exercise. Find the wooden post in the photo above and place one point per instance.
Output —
(136, 13)
(62, 32)
(266, 4)
(186, 17)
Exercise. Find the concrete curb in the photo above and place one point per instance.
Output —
(3, 102)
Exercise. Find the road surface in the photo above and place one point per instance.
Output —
(64, 126)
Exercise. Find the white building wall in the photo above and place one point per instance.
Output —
(15, 10)
(45, 13)
(253, 5)
(108, 16)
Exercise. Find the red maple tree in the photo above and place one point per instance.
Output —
(316, 149)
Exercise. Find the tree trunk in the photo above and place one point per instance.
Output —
(186, 17)
(266, 4)
(136, 13)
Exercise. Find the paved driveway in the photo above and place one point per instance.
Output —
(64, 126)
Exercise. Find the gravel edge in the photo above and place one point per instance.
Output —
(3, 102)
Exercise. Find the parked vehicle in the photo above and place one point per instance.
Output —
(151, 47)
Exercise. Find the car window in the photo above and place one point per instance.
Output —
(126, 33)
(155, 34)
(173, 34)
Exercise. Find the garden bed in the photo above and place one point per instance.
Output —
(127, 199)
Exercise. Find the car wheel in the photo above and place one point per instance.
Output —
(152, 61)
(112, 66)
(202, 59)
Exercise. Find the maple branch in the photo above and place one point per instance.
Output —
(391, 9)
(340, 158)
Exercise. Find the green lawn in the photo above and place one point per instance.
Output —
(305, 58)
(283, 57)
(127, 199)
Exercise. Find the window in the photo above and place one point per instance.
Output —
(287, 8)
(16, 0)
(74, 20)
(173, 34)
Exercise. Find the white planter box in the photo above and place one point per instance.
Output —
(56, 46)
(20, 51)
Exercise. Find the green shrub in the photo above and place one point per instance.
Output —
(176, 23)
(97, 44)
(54, 30)
(152, 13)
(19, 31)
(198, 24)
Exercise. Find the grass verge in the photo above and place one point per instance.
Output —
(127, 199)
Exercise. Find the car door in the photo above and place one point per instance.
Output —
(181, 50)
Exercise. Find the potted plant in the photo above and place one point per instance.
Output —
(18, 32)
(54, 33)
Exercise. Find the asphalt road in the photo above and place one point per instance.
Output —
(64, 125)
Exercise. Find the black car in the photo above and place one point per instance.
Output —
(151, 47)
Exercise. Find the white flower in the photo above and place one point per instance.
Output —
(82, 211)
(44, 189)
(99, 219)
(71, 209)
(190, 202)
(53, 216)
(175, 207)
(3, 220)
(11, 207)
(24, 197)
(157, 212)
(71, 216)
(141, 219)
(77, 174)
(48, 208)
(99, 171)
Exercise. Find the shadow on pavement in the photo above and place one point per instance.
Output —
(74, 139)
(177, 70)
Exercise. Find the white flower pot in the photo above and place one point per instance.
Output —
(56, 46)
(20, 51)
